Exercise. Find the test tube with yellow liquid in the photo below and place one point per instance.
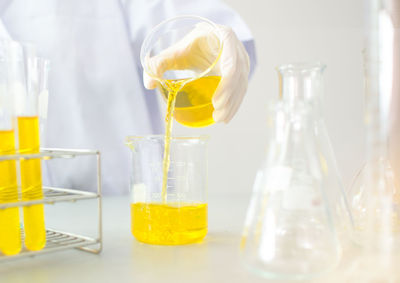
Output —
(29, 143)
(31, 183)
(10, 234)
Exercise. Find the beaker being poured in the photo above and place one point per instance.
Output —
(291, 228)
(181, 55)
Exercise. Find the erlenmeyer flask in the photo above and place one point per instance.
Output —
(290, 230)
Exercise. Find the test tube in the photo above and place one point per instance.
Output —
(29, 143)
(10, 236)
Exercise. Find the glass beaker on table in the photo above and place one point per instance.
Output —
(179, 214)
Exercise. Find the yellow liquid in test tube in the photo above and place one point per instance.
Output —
(172, 224)
(10, 233)
(31, 183)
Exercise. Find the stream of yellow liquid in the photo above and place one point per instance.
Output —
(31, 183)
(173, 87)
(190, 103)
(10, 234)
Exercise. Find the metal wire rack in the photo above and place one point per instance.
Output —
(58, 240)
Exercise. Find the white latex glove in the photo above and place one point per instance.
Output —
(197, 51)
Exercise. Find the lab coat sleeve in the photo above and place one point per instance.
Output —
(142, 15)
(4, 35)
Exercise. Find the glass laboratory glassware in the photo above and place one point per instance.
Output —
(193, 83)
(180, 217)
(291, 229)
(375, 192)
(28, 112)
(10, 234)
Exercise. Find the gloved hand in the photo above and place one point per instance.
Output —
(197, 50)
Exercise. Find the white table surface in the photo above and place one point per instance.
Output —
(123, 259)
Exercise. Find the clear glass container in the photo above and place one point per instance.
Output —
(28, 85)
(182, 55)
(181, 216)
(298, 204)
(375, 191)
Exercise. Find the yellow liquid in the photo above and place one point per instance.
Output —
(193, 106)
(31, 183)
(10, 234)
(174, 87)
(171, 224)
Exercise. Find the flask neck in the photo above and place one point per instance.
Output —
(301, 84)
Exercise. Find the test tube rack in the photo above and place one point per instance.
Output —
(59, 240)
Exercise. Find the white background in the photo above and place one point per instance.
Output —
(293, 31)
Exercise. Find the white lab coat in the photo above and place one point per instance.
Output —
(96, 92)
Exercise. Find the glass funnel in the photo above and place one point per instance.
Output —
(291, 229)
(179, 216)
(181, 54)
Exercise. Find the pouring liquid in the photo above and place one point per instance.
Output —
(190, 103)
(10, 233)
(174, 86)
